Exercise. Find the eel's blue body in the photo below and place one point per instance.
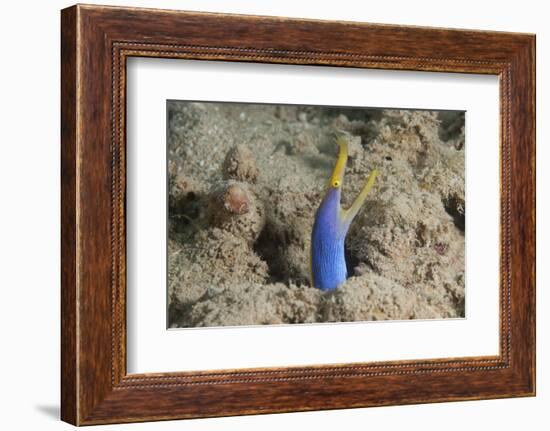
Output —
(328, 262)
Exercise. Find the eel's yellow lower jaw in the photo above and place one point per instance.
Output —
(352, 211)
(337, 176)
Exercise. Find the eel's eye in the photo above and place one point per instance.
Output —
(336, 183)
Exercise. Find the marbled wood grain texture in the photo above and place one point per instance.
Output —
(95, 43)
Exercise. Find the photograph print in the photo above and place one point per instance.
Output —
(295, 214)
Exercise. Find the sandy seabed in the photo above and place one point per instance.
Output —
(245, 181)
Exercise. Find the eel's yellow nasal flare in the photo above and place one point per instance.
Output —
(337, 176)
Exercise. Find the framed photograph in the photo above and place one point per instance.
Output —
(264, 214)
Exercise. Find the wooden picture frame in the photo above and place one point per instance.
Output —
(96, 41)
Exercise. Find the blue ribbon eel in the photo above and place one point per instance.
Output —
(328, 263)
